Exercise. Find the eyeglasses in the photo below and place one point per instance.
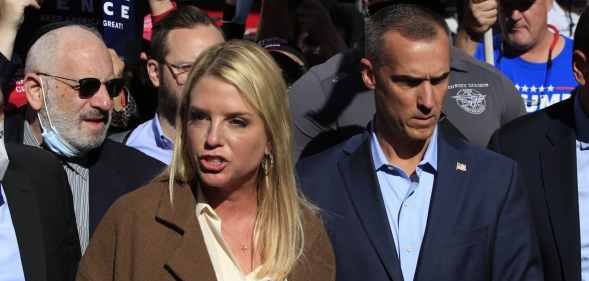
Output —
(179, 71)
(87, 87)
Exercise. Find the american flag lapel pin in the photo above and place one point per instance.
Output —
(461, 167)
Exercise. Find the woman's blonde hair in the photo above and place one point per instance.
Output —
(278, 231)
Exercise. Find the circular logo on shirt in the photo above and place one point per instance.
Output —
(471, 101)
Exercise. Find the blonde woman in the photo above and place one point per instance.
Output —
(228, 209)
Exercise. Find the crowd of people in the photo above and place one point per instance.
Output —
(380, 140)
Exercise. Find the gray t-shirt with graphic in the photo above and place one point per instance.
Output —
(330, 102)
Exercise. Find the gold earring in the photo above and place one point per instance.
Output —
(267, 163)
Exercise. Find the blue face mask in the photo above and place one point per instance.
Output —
(52, 138)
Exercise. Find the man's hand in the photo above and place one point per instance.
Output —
(479, 16)
(159, 7)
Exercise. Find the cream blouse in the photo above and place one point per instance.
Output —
(224, 263)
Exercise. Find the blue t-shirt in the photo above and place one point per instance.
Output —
(539, 85)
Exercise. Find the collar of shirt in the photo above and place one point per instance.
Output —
(207, 217)
(28, 136)
(581, 123)
(160, 139)
(203, 207)
(76, 165)
(429, 163)
(224, 263)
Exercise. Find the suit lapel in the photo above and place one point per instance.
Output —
(24, 211)
(357, 170)
(558, 160)
(450, 181)
(190, 260)
(101, 192)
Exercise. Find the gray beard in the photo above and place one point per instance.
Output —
(70, 132)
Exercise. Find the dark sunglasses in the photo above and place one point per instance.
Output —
(87, 87)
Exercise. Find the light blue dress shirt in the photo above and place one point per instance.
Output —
(406, 199)
(149, 138)
(582, 149)
(10, 263)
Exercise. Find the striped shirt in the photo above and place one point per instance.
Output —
(78, 178)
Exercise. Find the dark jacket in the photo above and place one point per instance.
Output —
(543, 143)
(40, 203)
(7, 69)
(143, 238)
(479, 226)
(114, 169)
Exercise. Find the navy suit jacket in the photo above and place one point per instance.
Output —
(479, 225)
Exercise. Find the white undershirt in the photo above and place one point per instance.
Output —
(10, 263)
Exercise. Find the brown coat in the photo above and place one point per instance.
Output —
(143, 238)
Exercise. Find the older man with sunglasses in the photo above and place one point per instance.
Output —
(70, 85)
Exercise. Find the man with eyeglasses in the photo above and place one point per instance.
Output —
(70, 85)
(177, 41)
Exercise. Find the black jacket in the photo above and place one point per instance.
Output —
(39, 199)
(543, 143)
(114, 169)
(7, 69)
